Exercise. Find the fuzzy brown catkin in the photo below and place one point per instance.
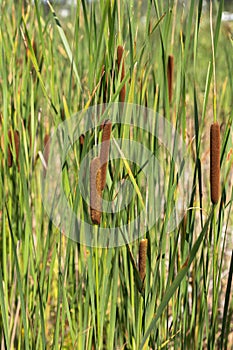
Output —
(121, 63)
(95, 191)
(104, 151)
(215, 162)
(170, 70)
(142, 258)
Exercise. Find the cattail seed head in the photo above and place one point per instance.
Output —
(104, 151)
(121, 63)
(95, 191)
(215, 162)
(170, 70)
(142, 258)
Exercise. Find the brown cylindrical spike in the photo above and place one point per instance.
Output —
(95, 191)
(104, 151)
(121, 63)
(170, 70)
(215, 162)
(142, 258)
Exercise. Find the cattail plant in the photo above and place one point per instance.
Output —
(10, 147)
(95, 191)
(121, 63)
(142, 258)
(104, 151)
(170, 71)
(215, 162)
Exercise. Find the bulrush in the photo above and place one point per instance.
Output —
(10, 147)
(142, 258)
(170, 70)
(104, 151)
(121, 63)
(46, 151)
(95, 191)
(215, 162)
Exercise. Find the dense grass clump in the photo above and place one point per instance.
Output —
(164, 290)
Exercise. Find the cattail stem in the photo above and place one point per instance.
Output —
(121, 63)
(215, 162)
(142, 258)
(170, 70)
(95, 191)
(104, 151)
